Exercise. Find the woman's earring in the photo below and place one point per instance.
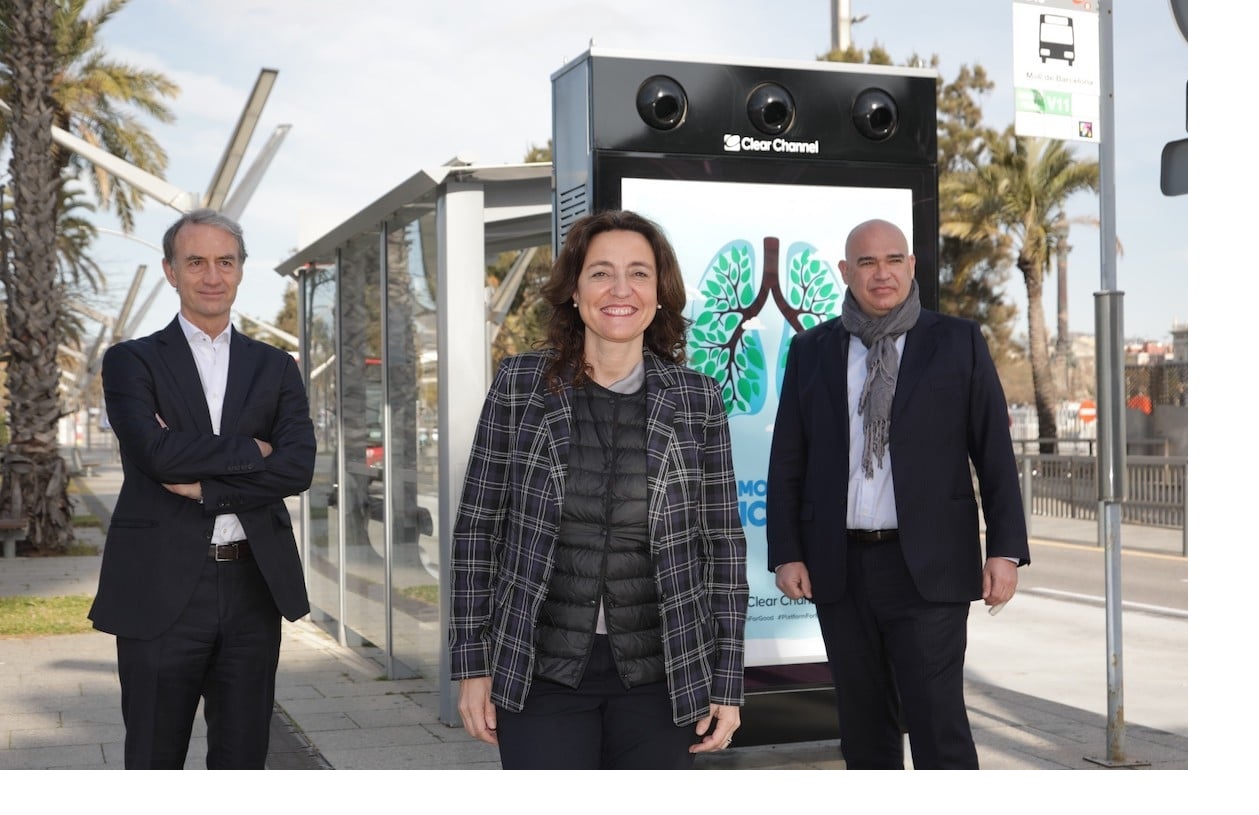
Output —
(658, 306)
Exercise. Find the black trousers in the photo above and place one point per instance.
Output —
(598, 725)
(897, 663)
(225, 648)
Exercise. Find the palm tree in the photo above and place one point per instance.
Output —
(1019, 194)
(970, 272)
(95, 99)
(78, 273)
(81, 278)
(1062, 255)
(76, 267)
(28, 270)
(53, 73)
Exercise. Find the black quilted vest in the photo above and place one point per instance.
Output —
(603, 550)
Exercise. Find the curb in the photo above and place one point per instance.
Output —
(289, 748)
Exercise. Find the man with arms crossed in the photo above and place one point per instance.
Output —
(200, 561)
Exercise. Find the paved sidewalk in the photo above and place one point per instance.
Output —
(1035, 687)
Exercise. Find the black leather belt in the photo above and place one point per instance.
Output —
(237, 550)
(872, 535)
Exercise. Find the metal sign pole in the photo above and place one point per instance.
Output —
(1111, 435)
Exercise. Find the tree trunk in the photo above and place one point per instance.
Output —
(32, 287)
(1038, 352)
(1064, 330)
(361, 397)
(402, 396)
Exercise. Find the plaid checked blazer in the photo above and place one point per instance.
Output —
(508, 522)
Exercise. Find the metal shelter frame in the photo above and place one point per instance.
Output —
(467, 213)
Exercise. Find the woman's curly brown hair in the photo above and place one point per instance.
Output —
(665, 335)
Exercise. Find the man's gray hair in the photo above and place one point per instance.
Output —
(208, 217)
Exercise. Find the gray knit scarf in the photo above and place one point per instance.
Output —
(879, 334)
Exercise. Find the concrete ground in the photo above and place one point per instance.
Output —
(1036, 689)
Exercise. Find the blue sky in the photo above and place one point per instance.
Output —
(377, 90)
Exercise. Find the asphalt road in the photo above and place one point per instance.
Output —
(1075, 571)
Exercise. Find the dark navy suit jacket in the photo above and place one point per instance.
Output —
(158, 542)
(949, 412)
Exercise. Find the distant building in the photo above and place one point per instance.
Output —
(1180, 341)
(1156, 384)
(1146, 352)
(1156, 392)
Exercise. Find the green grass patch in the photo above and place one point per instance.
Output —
(85, 521)
(425, 594)
(40, 616)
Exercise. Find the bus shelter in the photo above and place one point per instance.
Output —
(396, 321)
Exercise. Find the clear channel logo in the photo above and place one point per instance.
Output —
(734, 143)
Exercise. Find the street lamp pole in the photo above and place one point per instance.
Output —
(841, 25)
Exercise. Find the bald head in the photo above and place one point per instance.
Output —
(890, 231)
(877, 266)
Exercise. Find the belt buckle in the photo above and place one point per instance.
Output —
(232, 547)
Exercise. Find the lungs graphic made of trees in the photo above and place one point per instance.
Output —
(720, 345)
(726, 339)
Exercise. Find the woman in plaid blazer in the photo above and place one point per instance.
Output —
(617, 294)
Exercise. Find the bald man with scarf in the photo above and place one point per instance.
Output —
(903, 401)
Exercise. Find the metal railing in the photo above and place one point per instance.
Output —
(1064, 485)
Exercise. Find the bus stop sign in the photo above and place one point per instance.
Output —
(1057, 70)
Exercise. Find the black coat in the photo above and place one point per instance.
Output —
(157, 541)
(602, 554)
(949, 413)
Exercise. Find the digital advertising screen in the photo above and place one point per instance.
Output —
(761, 263)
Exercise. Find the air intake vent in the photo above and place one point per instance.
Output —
(573, 205)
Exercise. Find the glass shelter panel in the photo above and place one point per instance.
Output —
(411, 459)
(361, 491)
(323, 555)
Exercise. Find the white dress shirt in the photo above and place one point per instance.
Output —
(212, 356)
(871, 501)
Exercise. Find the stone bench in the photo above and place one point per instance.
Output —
(13, 526)
(12, 530)
(81, 465)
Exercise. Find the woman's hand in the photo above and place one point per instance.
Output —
(480, 717)
(727, 721)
